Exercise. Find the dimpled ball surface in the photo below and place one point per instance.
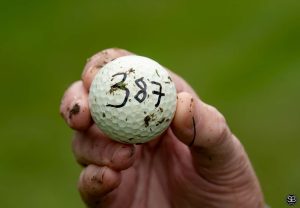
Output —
(132, 99)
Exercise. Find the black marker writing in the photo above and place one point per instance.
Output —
(141, 94)
(142, 90)
(159, 93)
(122, 86)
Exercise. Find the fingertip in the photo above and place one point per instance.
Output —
(198, 124)
(97, 61)
(183, 124)
(74, 107)
(95, 182)
(79, 115)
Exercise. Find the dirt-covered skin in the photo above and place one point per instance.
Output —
(97, 61)
(197, 162)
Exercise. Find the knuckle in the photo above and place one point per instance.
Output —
(79, 150)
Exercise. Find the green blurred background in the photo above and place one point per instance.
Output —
(241, 56)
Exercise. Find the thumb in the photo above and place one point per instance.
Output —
(217, 154)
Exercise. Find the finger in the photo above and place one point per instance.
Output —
(97, 61)
(204, 129)
(95, 184)
(74, 107)
(94, 147)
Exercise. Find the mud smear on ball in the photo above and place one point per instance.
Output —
(118, 86)
(149, 118)
(131, 70)
(160, 121)
(146, 120)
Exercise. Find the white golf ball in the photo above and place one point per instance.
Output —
(132, 99)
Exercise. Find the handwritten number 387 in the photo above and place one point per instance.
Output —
(141, 94)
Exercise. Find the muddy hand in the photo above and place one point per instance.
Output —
(197, 162)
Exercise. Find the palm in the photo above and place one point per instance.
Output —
(162, 176)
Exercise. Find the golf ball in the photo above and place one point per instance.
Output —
(132, 99)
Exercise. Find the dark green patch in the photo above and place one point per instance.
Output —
(170, 78)
(103, 115)
(161, 110)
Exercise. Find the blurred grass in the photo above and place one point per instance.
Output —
(241, 56)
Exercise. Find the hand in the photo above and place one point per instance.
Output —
(196, 162)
